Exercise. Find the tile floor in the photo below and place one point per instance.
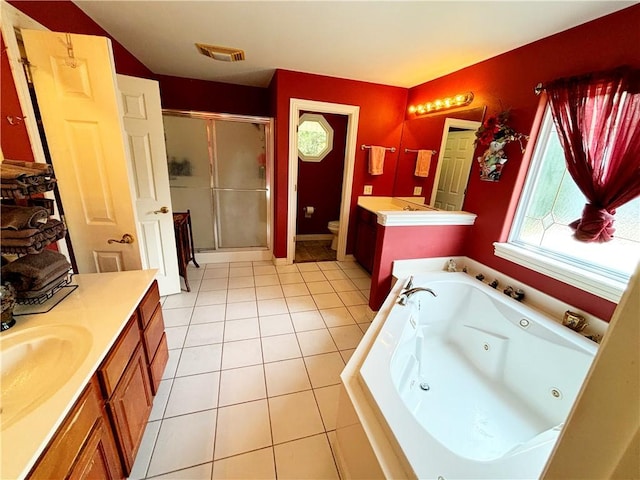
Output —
(251, 387)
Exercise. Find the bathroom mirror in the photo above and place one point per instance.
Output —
(431, 132)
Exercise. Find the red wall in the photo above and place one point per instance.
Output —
(13, 138)
(507, 81)
(320, 183)
(200, 95)
(381, 117)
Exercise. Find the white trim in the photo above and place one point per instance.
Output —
(352, 112)
(402, 218)
(456, 123)
(593, 283)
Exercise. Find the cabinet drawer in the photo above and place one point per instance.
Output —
(158, 364)
(153, 333)
(148, 304)
(62, 451)
(116, 362)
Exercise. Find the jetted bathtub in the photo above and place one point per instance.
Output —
(473, 384)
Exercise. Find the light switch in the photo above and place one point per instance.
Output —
(368, 189)
(417, 190)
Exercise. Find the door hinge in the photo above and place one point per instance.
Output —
(26, 66)
(64, 222)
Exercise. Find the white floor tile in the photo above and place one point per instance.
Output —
(183, 442)
(280, 347)
(315, 342)
(257, 465)
(240, 264)
(275, 306)
(266, 280)
(208, 314)
(300, 304)
(286, 278)
(335, 274)
(216, 265)
(352, 298)
(172, 364)
(195, 273)
(212, 297)
(313, 276)
(306, 459)
(295, 289)
(324, 369)
(287, 376)
(275, 325)
(214, 284)
(143, 457)
(204, 334)
(243, 329)
(199, 472)
(175, 336)
(215, 273)
(311, 320)
(176, 317)
(269, 292)
(160, 400)
(242, 428)
(193, 394)
(241, 354)
(241, 282)
(262, 263)
(346, 337)
(356, 273)
(203, 359)
(324, 266)
(327, 398)
(364, 326)
(287, 269)
(308, 267)
(343, 285)
(336, 317)
(264, 270)
(240, 271)
(361, 313)
(294, 416)
(235, 295)
(327, 300)
(180, 300)
(346, 354)
(362, 283)
(236, 311)
(320, 287)
(239, 385)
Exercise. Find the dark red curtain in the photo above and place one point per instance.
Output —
(597, 117)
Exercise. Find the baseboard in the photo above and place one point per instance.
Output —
(313, 237)
(246, 256)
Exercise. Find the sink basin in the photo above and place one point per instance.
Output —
(35, 363)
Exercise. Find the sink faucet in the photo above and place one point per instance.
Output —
(404, 295)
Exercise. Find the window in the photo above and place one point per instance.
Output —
(315, 137)
(541, 239)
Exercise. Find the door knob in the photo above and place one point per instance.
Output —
(126, 238)
(162, 210)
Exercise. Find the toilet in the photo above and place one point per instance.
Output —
(334, 228)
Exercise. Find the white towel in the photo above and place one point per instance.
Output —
(423, 163)
(376, 160)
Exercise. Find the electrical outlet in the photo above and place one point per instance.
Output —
(417, 190)
(368, 189)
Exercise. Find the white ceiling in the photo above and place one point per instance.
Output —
(402, 43)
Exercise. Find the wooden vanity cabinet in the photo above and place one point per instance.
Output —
(83, 446)
(153, 337)
(365, 245)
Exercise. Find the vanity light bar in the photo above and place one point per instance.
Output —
(460, 100)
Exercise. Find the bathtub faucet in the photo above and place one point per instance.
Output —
(404, 295)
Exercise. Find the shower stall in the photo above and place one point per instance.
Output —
(219, 169)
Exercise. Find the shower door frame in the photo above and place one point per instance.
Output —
(211, 145)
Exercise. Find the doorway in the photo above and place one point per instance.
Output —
(352, 113)
(322, 141)
(454, 164)
(219, 169)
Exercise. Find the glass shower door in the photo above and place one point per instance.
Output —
(240, 185)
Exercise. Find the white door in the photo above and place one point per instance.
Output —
(74, 80)
(142, 118)
(454, 173)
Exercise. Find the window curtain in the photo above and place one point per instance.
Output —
(597, 117)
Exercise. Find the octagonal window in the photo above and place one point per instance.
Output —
(315, 137)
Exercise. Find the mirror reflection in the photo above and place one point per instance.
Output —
(452, 135)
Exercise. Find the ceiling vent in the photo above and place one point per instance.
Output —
(223, 54)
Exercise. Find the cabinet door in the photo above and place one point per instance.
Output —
(99, 458)
(365, 245)
(130, 406)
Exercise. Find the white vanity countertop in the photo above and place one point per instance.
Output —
(394, 212)
(96, 312)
